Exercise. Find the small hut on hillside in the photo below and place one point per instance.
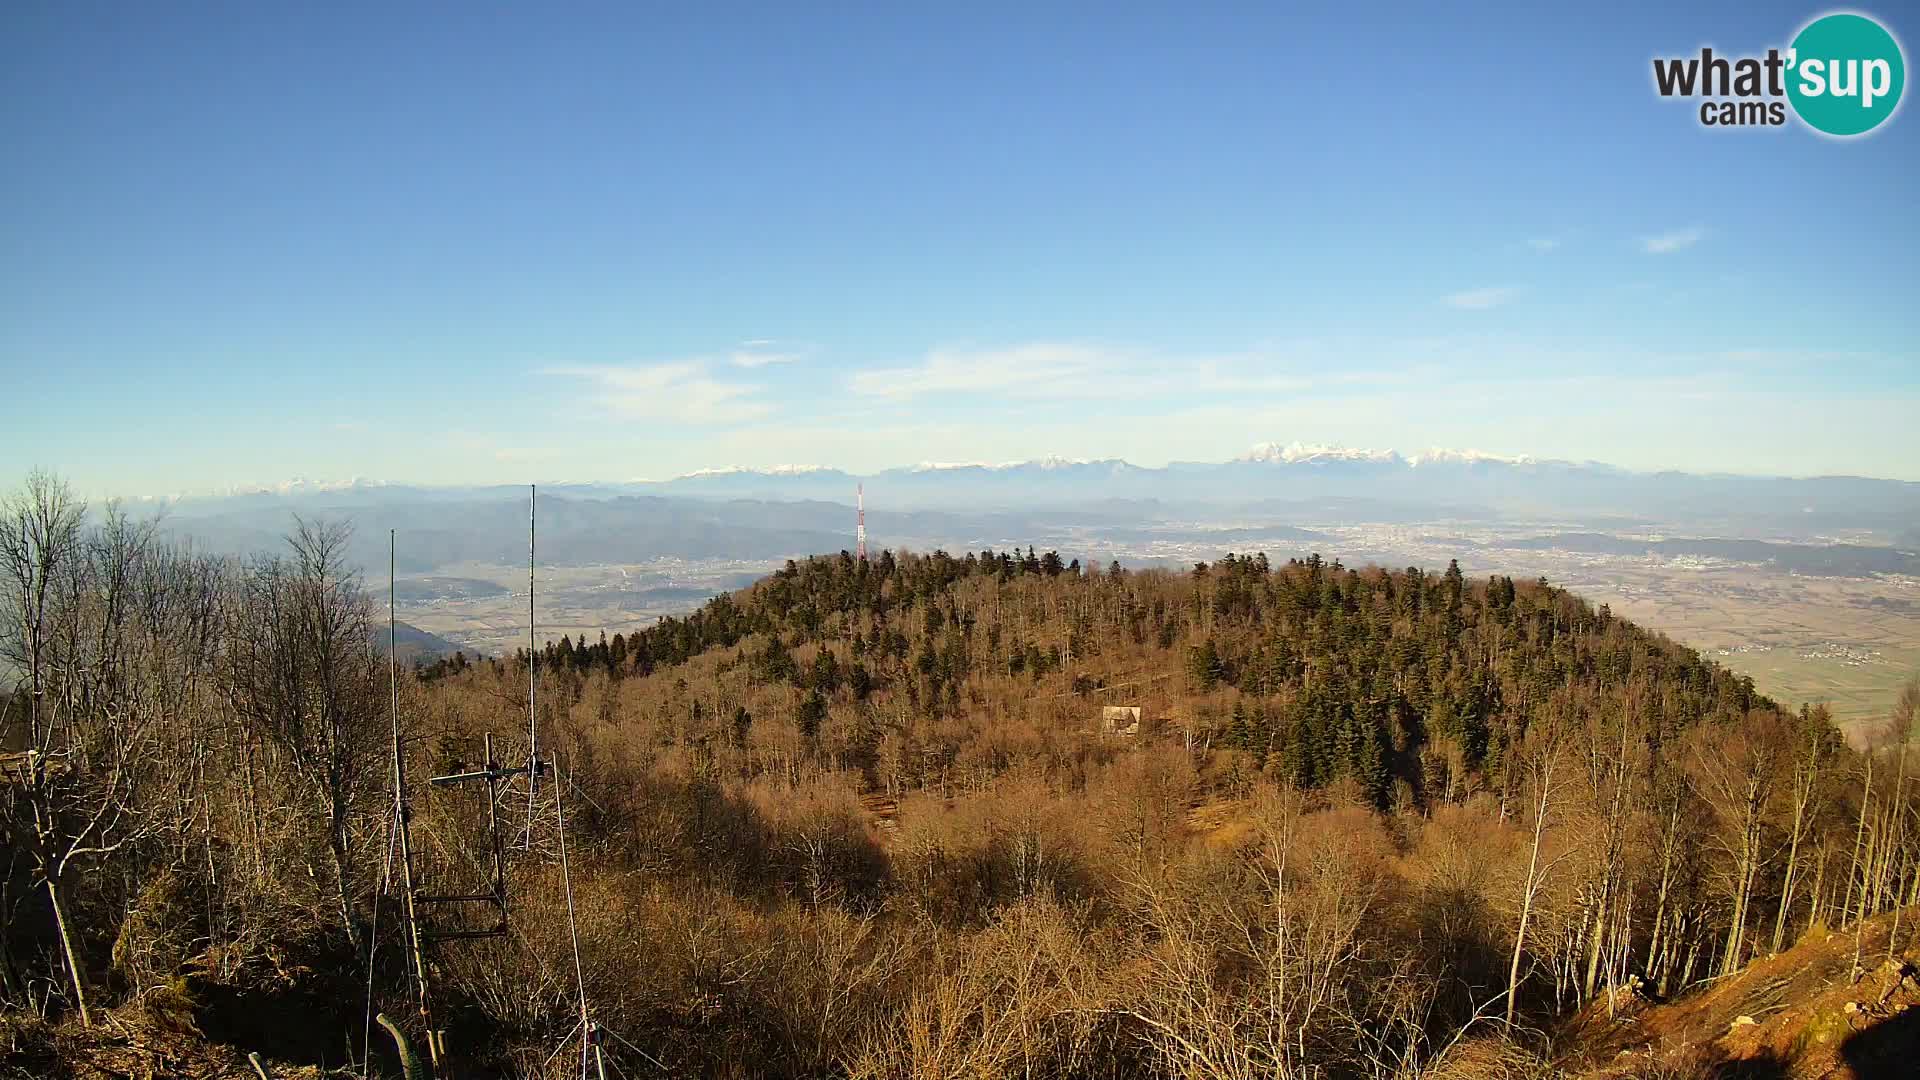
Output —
(1120, 720)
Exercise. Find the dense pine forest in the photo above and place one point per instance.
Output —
(893, 817)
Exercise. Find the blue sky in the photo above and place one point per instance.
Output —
(241, 243)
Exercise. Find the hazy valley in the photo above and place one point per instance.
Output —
(1811, 587)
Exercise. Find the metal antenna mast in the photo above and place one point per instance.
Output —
(402, 815)
(533, 661)
(589, 1030)
(419, 933)
(860, 528)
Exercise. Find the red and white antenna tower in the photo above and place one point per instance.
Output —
(860, 528)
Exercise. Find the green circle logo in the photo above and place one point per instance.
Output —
(1845, 74)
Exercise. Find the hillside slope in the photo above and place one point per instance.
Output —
(1408, 681)
(873, 818)
(414, 645)
(1799, 1015)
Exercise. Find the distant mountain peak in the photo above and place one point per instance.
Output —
(301, 485)
(744, 470)
(1442, 456)
(1298, 453)
(1044, 463)
(949, 466)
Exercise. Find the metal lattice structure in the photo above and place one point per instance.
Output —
(419, 906)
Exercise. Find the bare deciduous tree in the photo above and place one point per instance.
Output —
(1813, 744)
(301, 669)
(1541, 754)
(1735, 769)
(71, 795)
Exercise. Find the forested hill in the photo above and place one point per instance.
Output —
(1322, 671)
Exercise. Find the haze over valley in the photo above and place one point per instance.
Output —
(1811, 586)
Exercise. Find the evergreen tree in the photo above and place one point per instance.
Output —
(1203, 665)
(1239, 727)
(811, 714)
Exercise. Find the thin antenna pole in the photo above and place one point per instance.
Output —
(493, 828)
(373, 942)
(573, 929)
(400, 813)
(533, 652)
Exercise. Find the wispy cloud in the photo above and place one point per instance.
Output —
(683, 392)
(761, 352)
(1021, 369)
(1668, 242)
(1054, 371)
(1543, 244)
(1482, 299)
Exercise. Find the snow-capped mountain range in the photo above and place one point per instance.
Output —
(1297, 453)
(1459, 482)
(1472, 481)
(1269, 453)
(1285, 493)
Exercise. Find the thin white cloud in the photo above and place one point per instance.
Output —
(766, 352)
(1054, 371)
(755, 354)
(683, 392)
(1482, 299)
(1668, 242)
(1042, 369)
(1544, 244)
